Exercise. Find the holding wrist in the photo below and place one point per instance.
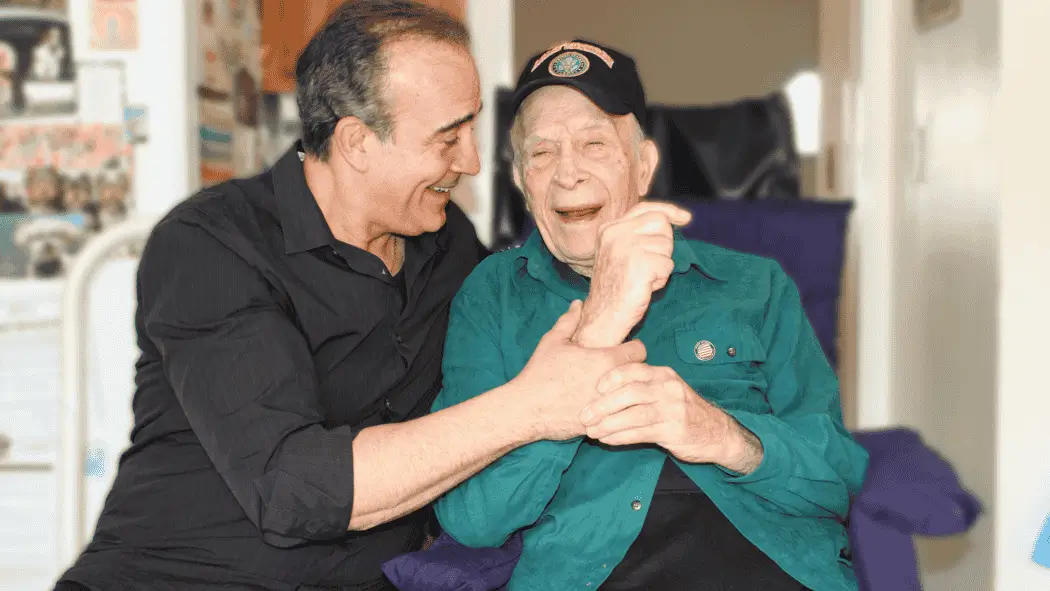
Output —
(521, 418)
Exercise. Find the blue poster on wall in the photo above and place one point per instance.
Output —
(1042, 546)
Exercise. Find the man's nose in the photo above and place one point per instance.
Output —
(567, 174)
(467, 160)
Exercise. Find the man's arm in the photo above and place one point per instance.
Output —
(810, 463)
(400, 468)
(245, 380)
(512, 492)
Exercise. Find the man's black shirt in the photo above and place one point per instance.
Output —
(266, 345)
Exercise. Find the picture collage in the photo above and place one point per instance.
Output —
(64, 175)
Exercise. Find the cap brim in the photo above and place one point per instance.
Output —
(606, 102)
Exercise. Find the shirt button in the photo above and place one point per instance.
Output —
(636, 505)
(387, 404)
(731, 352)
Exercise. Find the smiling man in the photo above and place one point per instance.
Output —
(291, 328)
(721, 463)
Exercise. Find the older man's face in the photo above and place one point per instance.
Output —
(579, 168)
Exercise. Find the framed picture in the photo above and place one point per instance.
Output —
(38, 77)
(930, 14)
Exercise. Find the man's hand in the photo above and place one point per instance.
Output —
(632, 260)
(645, 404)
(562, 377)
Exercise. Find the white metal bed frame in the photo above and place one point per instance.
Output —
(73, 402)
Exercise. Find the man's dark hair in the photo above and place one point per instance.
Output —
(341, 71)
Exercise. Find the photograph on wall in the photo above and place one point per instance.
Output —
(37, 73)
(229, 92)
(60, 184)
(114, 25)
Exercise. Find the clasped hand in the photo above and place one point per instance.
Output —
(640, 403)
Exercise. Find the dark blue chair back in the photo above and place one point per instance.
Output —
(807, 237)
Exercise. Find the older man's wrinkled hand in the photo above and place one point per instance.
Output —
(633, 260)
(645, 404)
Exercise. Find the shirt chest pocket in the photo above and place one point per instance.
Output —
(723, 362)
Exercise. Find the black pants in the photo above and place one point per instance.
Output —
(70, 586)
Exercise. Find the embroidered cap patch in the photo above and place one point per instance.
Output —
(569, 65)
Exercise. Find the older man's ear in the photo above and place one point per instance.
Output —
(648, 160)
(520, 184)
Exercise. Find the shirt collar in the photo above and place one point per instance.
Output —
(693, 254)
(303, 223)
(540, 263)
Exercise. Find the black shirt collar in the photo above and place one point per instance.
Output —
(302, 222)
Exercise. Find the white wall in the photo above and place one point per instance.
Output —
(1023, 417)
(883, 120)
(159, 77)
(491, 25)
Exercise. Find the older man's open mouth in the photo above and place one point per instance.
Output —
(580, 213)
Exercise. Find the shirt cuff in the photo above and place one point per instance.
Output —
(308, 494)
(774, 453)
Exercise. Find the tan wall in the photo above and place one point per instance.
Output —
(688, 51)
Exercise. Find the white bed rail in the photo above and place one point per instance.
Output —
(73, 402)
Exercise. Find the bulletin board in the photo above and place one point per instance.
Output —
(228, 89)
(64, 176)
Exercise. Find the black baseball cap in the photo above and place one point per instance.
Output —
(605, 75)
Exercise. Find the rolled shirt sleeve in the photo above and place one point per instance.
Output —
(512, 492)
(245, 379)
(811, 463)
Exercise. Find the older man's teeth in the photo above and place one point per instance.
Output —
(441, 189)
(579, 214)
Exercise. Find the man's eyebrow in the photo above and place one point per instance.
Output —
(458, 122)
(535, 139)
(539, 138)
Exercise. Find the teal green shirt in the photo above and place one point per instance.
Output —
(581, 507)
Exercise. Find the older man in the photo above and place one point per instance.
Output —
(723, 463)
(291, 327)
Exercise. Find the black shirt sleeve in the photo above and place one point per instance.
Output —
(244, 377)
